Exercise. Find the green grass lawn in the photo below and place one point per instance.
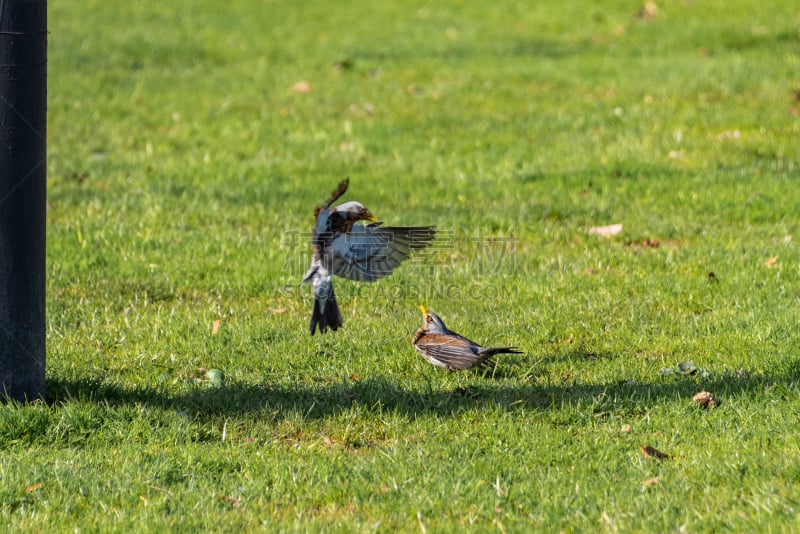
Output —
(183, 167)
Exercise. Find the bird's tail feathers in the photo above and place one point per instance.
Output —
(486, 353)
(329, 317)
(491, 351)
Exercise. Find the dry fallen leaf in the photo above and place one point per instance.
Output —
(354, 377)
(651, 482)
(644, 243)
(215, 328)
(276, 310)
(625, 428)
(236, 503)
(652, 452)
(705, 400)
(769, 262)
(606, 231)
(33, 487)
(301, 87)
(649, 10)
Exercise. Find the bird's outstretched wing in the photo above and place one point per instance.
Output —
(368, 253)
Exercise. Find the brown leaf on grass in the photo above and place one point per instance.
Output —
(33, 487)
(705, 400)
(770, 262)
(215, 327)
(644, 243)
(649, 10)
(301, 87)
(651, 452)
(651, 482)
(626, 428)
(354, 377)
(606, 231)
(236, 503)
(276, 311)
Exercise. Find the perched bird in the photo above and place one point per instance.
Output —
(444, 348)
(346, 248)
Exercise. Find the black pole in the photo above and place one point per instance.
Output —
(23, 111)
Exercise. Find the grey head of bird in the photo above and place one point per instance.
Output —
(432, 322)
(354, 211)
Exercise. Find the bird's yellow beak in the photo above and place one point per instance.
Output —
(424, 311)
(372, 217)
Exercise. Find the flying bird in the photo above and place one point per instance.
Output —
(345, 247)
(444, 348)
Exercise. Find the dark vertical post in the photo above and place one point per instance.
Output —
(23, 110)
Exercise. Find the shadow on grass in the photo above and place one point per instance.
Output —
(380, 394)
(530, 47)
